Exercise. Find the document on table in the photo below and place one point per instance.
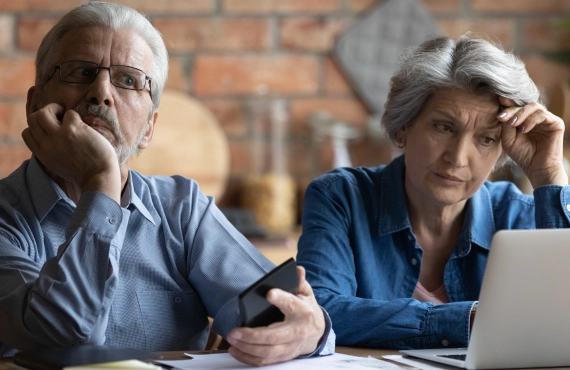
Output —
(224, 361)
(418, 363)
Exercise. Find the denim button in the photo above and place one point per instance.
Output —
(112, 220)
(178, 299)
(445, 343)
(409, 237)
(414, 261)
(568, 207)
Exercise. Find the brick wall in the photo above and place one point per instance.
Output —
(222, 50)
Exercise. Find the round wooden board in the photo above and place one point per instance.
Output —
(187, 141)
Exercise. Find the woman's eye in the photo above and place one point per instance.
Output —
(488, 140)
(443, 127)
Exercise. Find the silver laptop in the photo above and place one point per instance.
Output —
(523, 316)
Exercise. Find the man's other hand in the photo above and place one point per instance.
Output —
(297, 335)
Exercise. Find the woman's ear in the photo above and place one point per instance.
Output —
(401, 138)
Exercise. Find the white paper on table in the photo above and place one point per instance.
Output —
(224, 361)
(418, 363)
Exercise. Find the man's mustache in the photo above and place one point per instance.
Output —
(101, 112)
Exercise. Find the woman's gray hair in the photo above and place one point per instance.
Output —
(475, 65)
(113, 16)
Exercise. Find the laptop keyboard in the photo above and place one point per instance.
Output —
(455, 357)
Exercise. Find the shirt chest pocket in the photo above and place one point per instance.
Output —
(173, 321)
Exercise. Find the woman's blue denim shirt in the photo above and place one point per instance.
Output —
(363, 261)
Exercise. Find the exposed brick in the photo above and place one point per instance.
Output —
(170, 6)
(280, 6)
(437, 7)
(188, 34)
(12, 120)
(349, 110)
(303, 157)
(335, 82)
(177, 76)
(498, 30)
(544, 72)
(521, 6)
(6, 32)
(31, 31)
(230, 114)
(16, 76)
(291, 74)
(358, 6)
(241, 157)
(310, 33)
(371, 152)
(11, 157)
(545, 34)
(35, 5)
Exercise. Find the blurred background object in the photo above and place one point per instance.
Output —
(187, 141)
(269, 191)
(369, 50)
(340, 133)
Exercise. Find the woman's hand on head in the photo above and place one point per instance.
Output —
(533, 138)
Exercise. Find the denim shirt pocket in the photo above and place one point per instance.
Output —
(173, 320)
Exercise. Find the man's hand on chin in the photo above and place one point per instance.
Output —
(73, 150)
(297, 335)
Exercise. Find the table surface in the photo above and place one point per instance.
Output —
(179, 355)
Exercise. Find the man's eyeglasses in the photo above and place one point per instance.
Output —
(124, 77)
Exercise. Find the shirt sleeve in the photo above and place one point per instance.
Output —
(67, 300)
(222, 264)
(552, 206)
(325, 250)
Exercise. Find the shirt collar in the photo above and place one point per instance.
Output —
(478, 225)
(394, 212)
(44, 192)
(130, 197)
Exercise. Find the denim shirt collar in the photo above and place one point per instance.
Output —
(45, 193)
(478, 226)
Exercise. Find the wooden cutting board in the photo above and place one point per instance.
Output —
(187, 141)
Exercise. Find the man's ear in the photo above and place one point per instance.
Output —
(32, 100)
(147, 138)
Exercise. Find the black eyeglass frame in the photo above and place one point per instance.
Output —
(98, 67)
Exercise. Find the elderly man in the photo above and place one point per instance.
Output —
(93, 253)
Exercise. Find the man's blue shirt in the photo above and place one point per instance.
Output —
(363, 261)
(146, 275)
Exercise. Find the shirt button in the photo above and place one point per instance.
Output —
(112, 220)
(178, 299)
(568, 207)
(445, 343)
(414, 261)
(409, 237)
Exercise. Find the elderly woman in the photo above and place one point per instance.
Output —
(396, 254)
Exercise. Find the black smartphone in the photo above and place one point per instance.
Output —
(254, 308)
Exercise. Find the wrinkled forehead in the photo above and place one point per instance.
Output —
(463, 100)
(105, 46)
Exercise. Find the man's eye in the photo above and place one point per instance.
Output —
(126, 80)
(83, 72)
